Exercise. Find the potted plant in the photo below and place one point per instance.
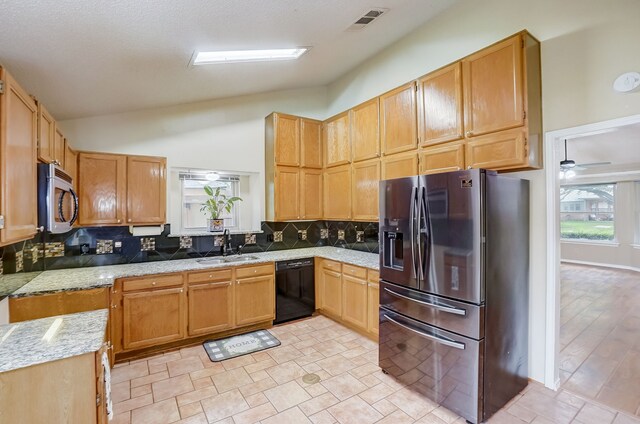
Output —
(215, 205)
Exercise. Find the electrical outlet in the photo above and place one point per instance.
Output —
(302, 234)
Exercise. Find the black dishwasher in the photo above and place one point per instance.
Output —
(295, 290)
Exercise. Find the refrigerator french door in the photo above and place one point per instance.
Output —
(454, 287)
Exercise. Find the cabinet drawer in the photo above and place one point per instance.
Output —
(332, 265)
(373, 276)
(152, 282)
(254, 271)
(211, 276)
(354, 271)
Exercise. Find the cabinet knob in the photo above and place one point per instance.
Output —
(469, 167)
(181, 290)
(119, 221)
(153, 283)
(129, 219)
(114, 306)
(210, 276)
(469, 133)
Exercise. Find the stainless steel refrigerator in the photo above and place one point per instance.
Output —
(454, 289)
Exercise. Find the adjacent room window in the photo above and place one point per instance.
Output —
(587, 212)
(193, 196)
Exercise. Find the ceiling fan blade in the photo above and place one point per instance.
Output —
(592, 164)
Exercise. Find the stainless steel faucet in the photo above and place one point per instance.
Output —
(226, 245)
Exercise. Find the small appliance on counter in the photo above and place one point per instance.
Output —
(295, 290)
(454, 289)
(57, 200)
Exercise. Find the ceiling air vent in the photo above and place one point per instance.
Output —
(366, 19)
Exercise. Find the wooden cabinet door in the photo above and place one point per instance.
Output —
(153, 317)
(441, 105)
(310, 143)
(71, 164)
(493, 88)
(442, 158)
(287, 140)
(365, 188)
(58, 147)
(146, 190)
(255, 300)
(287, 193)
(365, 130)
(102, 188)
(337, 193)
(332, 292)
(502, 150)
(210, 307)
(400, 165)
(373, 304)
(398, 120)
(46, 135)
(354, 301)
(337, 145)
(18, 160)
(310, 193)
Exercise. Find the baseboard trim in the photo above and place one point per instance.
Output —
(602, 265)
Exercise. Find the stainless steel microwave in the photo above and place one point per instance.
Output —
(57, 200)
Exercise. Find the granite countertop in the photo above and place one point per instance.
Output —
(28, 343)
(12, 282)
(104, 276)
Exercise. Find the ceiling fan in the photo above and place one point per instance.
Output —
(569, 166)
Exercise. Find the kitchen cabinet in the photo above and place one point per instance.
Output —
(398, 120)
(61, 303)
(287, 193)
(354, 296)
(501, 150)
(310, 193)
(59, 147)
(286, 139)
(444, 157)
(331, 292)
(373, 302)
(71, 163)
(46, 135)
(337, 144)
(365, 130)
(400, 165)
(366, 181)
(310, 143)
(102, 189)
(440, 99)
(146, 190)
(210, 301)
(18, 160)
(337, 193)
(255, 295)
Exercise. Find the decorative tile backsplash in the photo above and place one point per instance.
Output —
(340, 234)
(359, 236)
(104, 247)
(324, 233)
(147, 244)
(278, 236)
(186, 242)
(249, 239)
(302, 234)
(53, 249)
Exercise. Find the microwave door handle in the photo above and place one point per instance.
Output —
(61, 207)
(76, 204)
(412, 229)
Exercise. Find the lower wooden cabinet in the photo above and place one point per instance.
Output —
(153, 317)
(373, 296)
(354, 301)
(210, 307)
(255, 300)
(332, 292)
(441, 158)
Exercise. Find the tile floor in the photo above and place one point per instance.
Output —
(600, 335)
(185, 387)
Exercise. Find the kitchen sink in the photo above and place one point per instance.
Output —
(227, 259)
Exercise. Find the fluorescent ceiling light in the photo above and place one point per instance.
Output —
(206, 58)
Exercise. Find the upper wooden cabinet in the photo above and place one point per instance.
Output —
(102, 188)
(446, 157)
(400, 165)
(310, 143)
(310, 193)
(365, 130)
(46, 135)
(337, 144)
(58, 147)
(287, 193)
(146, 190)
(493, 88)
(337, 193)
(440, 95)
(18, 160)
(504, 150)
(398, 120)
(365, 187)
(71, 163)
(286, 139)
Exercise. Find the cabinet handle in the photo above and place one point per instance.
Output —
(119, 221)
(469, 167)
(114, 306)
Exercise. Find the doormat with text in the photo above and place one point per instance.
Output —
(230, 347)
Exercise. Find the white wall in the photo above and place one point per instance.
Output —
(585, 45)
(225, 135)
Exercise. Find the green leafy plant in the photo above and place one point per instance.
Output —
(217, 202)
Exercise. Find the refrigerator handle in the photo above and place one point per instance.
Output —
(418, 238)
(432, 337)
(425, 228)
(412, 229)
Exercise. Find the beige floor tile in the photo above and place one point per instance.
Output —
(158, 413)
(141, 390)
(344, 386)
(196, 395)
(198, 350)
(190, 409)
(503, 417)
(284, 354)
(148, 379)
(290, 416)
(123, 418)
(215, 368)
(259, 366)
(286, 395)
(396, 417)
(376, 393)
(255, 414)
(256, 399)
(129, 372)
(258, 386)
(547, 407)
(164, 358)
(431, 418)
(131, 404)
(156, 368)
(354, 411)
(184, 366)
(258, 375)
(317, 404)
(370, 380)
(224, 405)
(286, 372)
(412, 403)
(171, 387)
(201, 383)
(120, 391)
(336, 364)
(322, 417)
(384, 407)
(315, 389)
(230, 380)
(196, 419)
(240, 361)
(364, 370)
(591, 413)
(626, 419)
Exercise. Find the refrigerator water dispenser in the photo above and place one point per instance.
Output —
(393, 250)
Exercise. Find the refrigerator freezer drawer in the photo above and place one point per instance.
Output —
(443, 366)
(457, 317)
